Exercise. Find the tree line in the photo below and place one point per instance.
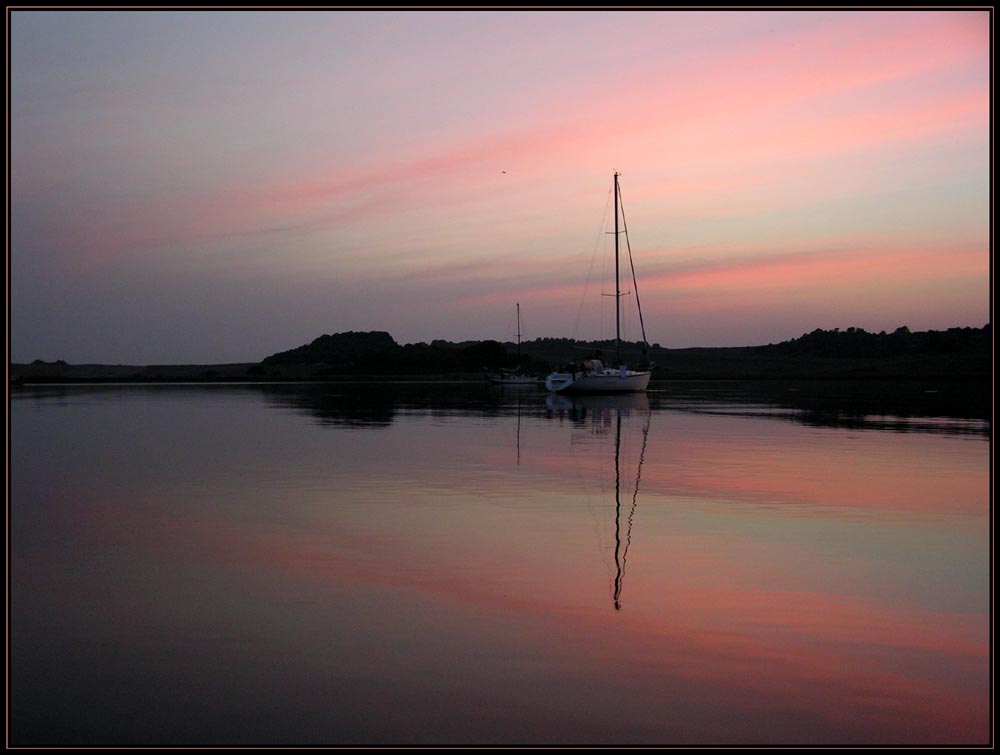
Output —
(857, 342)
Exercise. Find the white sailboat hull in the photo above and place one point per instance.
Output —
(606, 381)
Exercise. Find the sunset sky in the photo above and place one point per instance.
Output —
(212, 187)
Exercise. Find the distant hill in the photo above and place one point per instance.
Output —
(347, 349)
(377, 353)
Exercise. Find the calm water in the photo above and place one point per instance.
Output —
(414, 563)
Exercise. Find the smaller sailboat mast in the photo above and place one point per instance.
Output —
(518, 333)
(512, 376)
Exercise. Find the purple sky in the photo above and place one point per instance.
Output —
(214, 187)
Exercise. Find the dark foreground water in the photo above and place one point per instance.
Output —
(413, 563)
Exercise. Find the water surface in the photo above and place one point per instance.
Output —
(464, 563)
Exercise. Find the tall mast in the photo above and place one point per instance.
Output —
(618, 293)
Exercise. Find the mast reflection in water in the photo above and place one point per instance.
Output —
(601, 410)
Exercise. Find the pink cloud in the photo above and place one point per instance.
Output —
(763, 275)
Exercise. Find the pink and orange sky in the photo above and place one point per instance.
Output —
(216, 187)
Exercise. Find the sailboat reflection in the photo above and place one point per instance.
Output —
(602, 410)
(518, 435)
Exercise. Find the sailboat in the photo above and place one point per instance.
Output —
(513, 376)
(592, 375)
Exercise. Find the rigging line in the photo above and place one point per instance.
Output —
(635, 284)
(601, 328)
(593, 257)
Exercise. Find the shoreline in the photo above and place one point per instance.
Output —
(17, 380)
(692, 364)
